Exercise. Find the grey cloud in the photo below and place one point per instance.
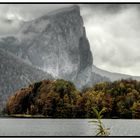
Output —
(113, 31)
(31, 11)
(11, 15)
(109, 8)
(8, 21)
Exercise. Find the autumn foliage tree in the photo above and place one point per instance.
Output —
(50, 98)
(61, 99)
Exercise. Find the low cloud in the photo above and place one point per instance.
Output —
(12, 15)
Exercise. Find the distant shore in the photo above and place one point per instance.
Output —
(27, 116)
(22, 116)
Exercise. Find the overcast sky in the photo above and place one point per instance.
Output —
(113, 31)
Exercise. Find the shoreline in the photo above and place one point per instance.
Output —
(43, 117)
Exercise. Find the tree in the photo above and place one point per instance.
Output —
(136, 110)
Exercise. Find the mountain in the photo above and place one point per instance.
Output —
(50, 47)
(55, 43)
(15, 74)
(113, 76)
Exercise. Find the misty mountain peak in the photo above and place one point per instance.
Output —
(57, 44)
(74, 9)
(69, 16)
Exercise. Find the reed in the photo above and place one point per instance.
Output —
(101, 130)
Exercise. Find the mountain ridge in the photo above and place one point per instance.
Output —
(114, 76)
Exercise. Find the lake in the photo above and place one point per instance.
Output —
(66, 127)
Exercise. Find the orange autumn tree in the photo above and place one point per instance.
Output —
(54, 98)
(61, 99)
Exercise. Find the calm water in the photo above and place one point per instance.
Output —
(65, 127)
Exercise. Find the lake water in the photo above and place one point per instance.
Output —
(66, 127)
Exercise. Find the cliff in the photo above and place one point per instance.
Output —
(55, 43)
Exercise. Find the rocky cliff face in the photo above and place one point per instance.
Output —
(55, 43)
